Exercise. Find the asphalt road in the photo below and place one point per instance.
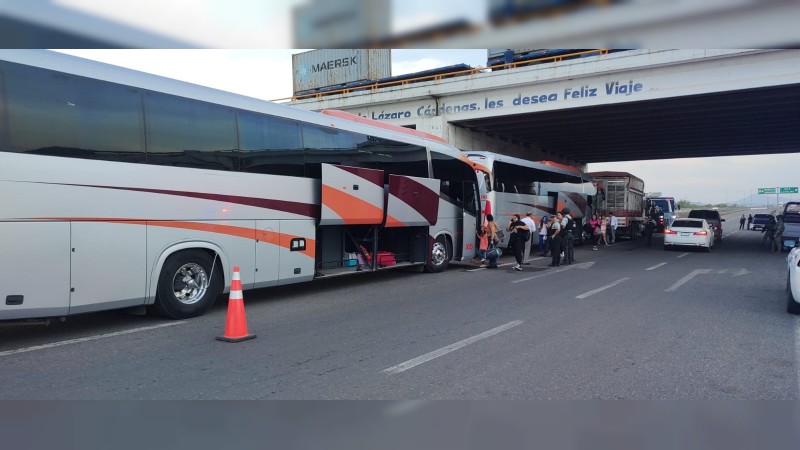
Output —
(625, 322)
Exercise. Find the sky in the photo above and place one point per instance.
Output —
(267, 74)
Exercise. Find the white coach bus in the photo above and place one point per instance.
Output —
(122, 189)
(510, 185)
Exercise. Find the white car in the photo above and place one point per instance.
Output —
(793, 281)
(690, 233)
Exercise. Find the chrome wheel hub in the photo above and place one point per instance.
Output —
(190, 283)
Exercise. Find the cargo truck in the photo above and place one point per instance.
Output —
(623, 194)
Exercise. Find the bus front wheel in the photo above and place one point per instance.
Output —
(187, 287)
(440, 256)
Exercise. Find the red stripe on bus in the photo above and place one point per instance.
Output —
(372, 175)
(416, 195)
(302, 209)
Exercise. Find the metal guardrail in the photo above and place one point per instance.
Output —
(512, 65)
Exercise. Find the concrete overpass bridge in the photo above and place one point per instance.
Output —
(623, 106)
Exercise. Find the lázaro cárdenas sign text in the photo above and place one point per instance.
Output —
(612, 88)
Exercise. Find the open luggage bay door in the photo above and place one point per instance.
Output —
(412, 201)
(351, 196)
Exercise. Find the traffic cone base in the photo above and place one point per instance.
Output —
(235, 322)
(236, 339)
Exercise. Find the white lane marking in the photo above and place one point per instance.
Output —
(586, 265)
(600, 289)
(656, 266)
(686, 279)
(411, 363)
(86, 339)
(535, 259)
(682, 255)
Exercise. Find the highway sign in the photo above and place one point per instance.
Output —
(788, 190)
(767, 190)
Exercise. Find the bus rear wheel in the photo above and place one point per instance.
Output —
(440, 256)
(186, 286)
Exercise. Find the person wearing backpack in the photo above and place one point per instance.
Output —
(518, 231)
(528, 220)
(568, 238)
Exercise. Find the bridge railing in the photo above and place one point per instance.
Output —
(510, 65)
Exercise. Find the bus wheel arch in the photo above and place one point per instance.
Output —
(189, 282)
(441, 253)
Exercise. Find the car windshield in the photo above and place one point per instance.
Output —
(763, 216)
(704, 214)
(687, 224)
(663, 204)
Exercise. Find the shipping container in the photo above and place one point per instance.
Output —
(334, 67)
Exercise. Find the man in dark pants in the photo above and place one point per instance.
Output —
(555, 240)
(517, 227)
(649, 229)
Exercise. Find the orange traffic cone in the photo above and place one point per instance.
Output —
(236, 323)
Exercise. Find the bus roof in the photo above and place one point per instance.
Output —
(558, 172)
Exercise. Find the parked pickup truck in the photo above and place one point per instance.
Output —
(791, 223)
(760, 221)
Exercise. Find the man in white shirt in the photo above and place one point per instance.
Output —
(612, 227)
(528, 220)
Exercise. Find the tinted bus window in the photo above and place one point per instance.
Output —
(190, 133)
(453, 173)
(328, 145)
(270, 145)
(52, 113)
(394, 157)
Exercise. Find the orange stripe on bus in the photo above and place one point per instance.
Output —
(270, 237)
(391, 222)
(475, 165)
(352, 210)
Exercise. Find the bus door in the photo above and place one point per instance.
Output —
(471, 220)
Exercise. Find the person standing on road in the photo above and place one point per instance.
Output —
(769, 233)
(741, 222)
(554, 233)
(517, 228)
(528, 220)
(603, 230)
(594, 230)
(483, 244)
(568, 236)
(649, 229)
(612, 226)
(777, 242)
(491, 231)
(749, 220)
(544, 245)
